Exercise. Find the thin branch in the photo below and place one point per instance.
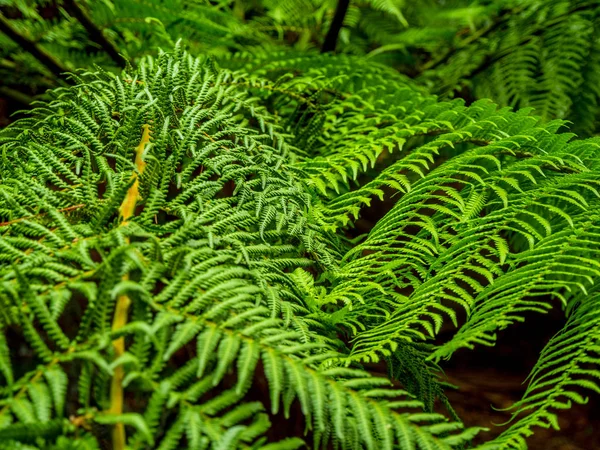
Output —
(336, 25)
(21, 73)
(96, 34)
(15, 96)
(53, 65)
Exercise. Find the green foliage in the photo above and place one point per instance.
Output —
(542, 54)
(182, 236)
(223, 218)
(525, 53)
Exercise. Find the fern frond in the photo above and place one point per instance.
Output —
(186, 250)
(565, 367)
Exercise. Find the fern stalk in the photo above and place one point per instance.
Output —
(331, 39)
(127, 210)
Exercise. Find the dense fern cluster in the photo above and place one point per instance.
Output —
(174, 238)
(183, 262)
(220, 222)
(497, 216)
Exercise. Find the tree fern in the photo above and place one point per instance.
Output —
(496, 213)
(193, 242)
(181, 260)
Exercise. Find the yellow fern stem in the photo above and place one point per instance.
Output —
(116, 386)
(127, 210)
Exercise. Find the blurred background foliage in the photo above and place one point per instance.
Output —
(521, 53)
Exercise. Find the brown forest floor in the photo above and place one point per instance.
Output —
(490, 376)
